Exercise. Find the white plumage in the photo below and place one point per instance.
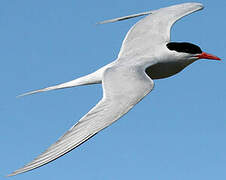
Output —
(124, 81)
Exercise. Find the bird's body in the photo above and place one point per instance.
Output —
(164, 70)
(146, 54)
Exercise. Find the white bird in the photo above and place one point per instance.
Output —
(146, 54)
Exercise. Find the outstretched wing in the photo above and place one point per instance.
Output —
(123, 87)
(153, 31)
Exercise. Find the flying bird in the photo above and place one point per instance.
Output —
(146, 54)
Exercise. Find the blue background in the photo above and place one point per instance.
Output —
(177, 132)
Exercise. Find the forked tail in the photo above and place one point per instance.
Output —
(125, 17)
(93, 78)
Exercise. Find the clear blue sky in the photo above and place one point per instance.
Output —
(177, 132)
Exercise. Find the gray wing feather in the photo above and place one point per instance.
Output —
(123, 89)
(153, 31)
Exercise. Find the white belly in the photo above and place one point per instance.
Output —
(164, 70)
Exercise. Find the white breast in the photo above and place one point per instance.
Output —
(164, 70)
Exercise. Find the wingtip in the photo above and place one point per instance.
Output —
(8, 175)
(200, 5)
(21, 95)
(18, 171)
(25, 94)
(11, 174)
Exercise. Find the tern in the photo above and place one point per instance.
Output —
(146, 54)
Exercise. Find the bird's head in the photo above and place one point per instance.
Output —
(189, 51)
